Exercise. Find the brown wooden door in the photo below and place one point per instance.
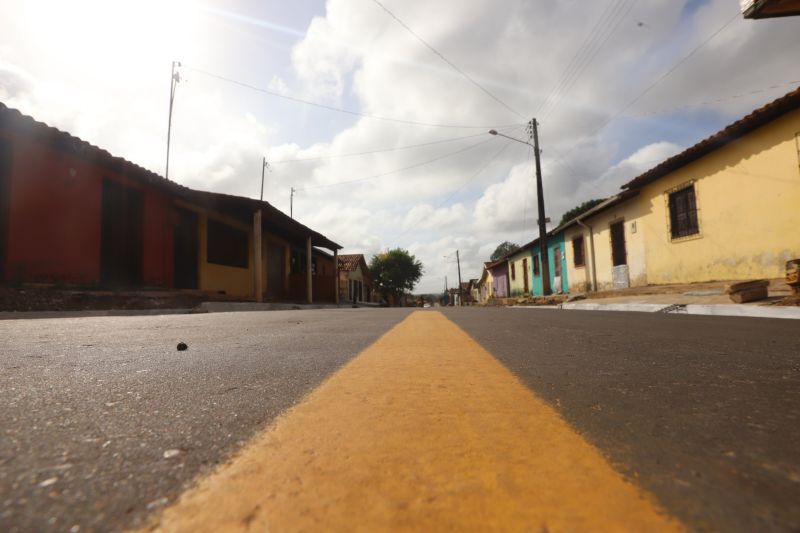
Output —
(525, 275)
(121, 235)
(619, 253)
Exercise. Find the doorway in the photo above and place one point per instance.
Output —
(186, 250)
(525, 275)
(275, 271)
(619, 254)
(5, 183)
(121, 235)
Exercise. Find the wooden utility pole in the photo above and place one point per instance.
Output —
(291, 203)
(173, 84)
(257, 264)
(460, 289)
(545, 264)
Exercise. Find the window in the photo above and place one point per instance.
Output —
(227, 245)
(298, 261)
(536, 271)
(577, 252)
(683, 213)
(513, 271)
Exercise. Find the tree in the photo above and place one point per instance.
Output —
(579, 210)
(395, 272)
(503, 249)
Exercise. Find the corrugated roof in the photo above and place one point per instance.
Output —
(16, 122)
(756, 119)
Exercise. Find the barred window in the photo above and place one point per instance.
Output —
(536, 269)
(513, 271)
(683, 213)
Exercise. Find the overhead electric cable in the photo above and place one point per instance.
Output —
(395, 171)
(592, 53)
(469, 180)
(581, 52)
(660, 78)
(379, 151)
(339, 109)
(450, 63)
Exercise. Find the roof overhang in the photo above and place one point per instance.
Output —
(763, 9)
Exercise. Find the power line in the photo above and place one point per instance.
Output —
(469, 180)
(382, 150)
(577, 61)
(339, 109)
(793, 83)
(382, 174)
(450, 63)
(661, 78)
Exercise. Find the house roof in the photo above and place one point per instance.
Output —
(761, 9)
(13, 120)
(756, 119)
(350, 262)
(606, 204)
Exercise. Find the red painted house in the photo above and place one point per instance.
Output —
(73, 214)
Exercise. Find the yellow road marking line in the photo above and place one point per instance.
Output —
(423, 431)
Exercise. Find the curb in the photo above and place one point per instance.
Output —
(750, 311)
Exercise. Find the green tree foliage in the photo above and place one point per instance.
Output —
(503, 249)
(395, 272)
(578, 210)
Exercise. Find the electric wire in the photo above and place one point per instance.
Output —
(582, 58)
(450, 63)
(452, 195)
(339, 109)
(661, 78)
(395, 171)
(379, 151)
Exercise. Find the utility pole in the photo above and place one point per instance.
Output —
(291, 203)
(460, 289)
(533, 131)
(173, 83)
(264, 166)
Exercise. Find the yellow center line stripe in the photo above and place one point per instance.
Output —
(422, 431)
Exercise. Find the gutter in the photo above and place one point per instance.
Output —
(591, 254)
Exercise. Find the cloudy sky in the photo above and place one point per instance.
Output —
(410, 164)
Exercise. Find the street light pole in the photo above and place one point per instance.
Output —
(264, 166)
(173, 83)
(545, 263)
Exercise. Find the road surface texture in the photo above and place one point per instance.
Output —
(473, 418)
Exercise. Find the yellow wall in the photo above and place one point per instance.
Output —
(234, 281)
(748, 200)
(628, 211)
(517, 284)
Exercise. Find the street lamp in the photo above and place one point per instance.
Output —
(545, 264)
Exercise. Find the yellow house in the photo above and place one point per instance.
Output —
(485, 285)
(605, 248)
(728, 208)
(246, 248)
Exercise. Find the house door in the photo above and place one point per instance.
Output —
(186, 250)
(5, 182)
(618, 252)
(275, 271)
(121, 235)
(525, 275)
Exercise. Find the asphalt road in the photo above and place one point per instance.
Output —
(91, 405)
(703, 412)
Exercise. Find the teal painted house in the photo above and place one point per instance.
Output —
(557, 259)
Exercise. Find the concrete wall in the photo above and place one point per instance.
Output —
(555, 246)
(518, 264)
(54, 218)
(234, 281)
(630, 213)
(748, 201)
